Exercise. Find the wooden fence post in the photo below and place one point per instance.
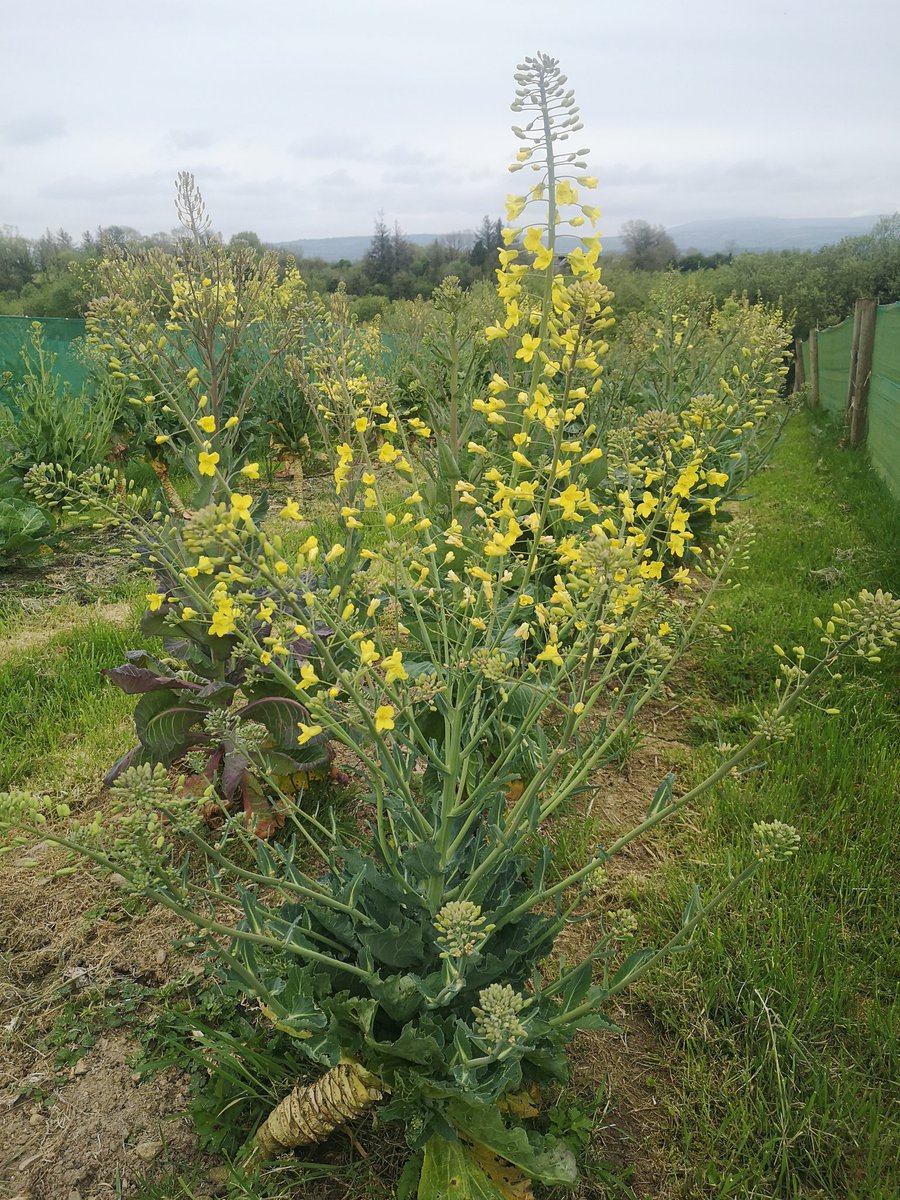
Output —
(867, 313)
(813, 368)
(798, 365)
(854, 354)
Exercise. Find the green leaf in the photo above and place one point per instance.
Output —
(165, 727)
(406, 1183)
(22, 525)
(448, 1173)
(630, 967)
(554, 1163)
(662, 795)
(693, 906)
(280, 715)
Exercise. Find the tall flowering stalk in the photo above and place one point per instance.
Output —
(490, 617)
(191, 336)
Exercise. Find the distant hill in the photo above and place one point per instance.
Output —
(333, 249)
(767, 233)
(727, 233)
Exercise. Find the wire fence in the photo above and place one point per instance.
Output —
(853, 370)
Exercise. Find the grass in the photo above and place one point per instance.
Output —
(785, 1014)
(61, 722)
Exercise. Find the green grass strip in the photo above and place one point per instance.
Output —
(784, 1012)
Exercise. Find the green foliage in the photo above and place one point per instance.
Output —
(817, 288)
(437, 350)
(46, 422)
(24, 529)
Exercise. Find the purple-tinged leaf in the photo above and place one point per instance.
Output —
(134, 681)
(234, 769)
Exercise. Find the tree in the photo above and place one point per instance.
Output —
(488, 240)
(648, 247)
(16, 263)
(379, 258)
(248, 240)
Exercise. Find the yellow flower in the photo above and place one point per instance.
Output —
(307, 733)
(528, 347)
(250, 470)
(207, 424)
(394, 668)
(207, 462)
(550, 653)
(384, 718)
(569, 501)
(543, 258)
(308, 677)
(565, 193)
(335, 552)
(222, 624)
(291, 511)
(367, 652)
(647, 505)
(532, 239)
(155, 600)
(514, 207)
(231, 422)
(188, 613)
(240, 505)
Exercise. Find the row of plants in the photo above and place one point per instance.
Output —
(504, 572)
(670, 365)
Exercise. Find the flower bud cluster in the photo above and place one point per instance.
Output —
(871, 619)
(773, 841)
(21, 811)
(497, 1018)
(462, 929)
(773, 727)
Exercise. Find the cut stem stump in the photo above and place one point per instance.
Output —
(313, 1111)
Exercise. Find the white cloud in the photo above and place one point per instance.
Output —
(302, 120)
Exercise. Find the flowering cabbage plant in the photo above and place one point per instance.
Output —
(191, 336)
(475, 631)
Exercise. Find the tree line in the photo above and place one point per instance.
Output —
(42, 277)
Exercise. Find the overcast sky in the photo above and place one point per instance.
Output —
(305, 119)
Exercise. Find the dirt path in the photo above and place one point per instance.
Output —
(30, 637)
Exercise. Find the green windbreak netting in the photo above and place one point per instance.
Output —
(59, 334)
(834, 346)
(884, 398)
